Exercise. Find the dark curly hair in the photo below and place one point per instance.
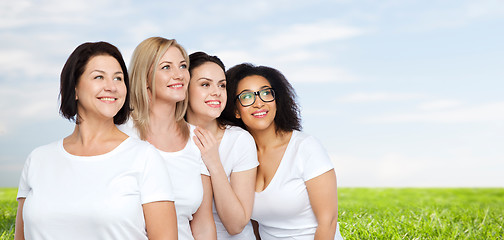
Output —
(74, 68)
(287, 117)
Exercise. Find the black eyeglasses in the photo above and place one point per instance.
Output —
(248, 98)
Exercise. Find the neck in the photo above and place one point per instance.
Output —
(162, 117)
(92, 131)
(269, 138)
(210, 124)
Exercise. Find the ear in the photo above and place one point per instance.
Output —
(76, 96)
(237, 114)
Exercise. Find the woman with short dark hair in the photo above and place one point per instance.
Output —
(296, 193)
(97, 183)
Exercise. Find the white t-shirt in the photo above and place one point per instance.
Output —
(185, 168)
(237, 151)
(95, 197)
(283, 209)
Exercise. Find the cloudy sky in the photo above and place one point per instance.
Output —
(401, 93)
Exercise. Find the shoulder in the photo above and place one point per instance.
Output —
(312, 158)
(239, 139)
(129, 129)
(307, 146)
(45, 154)
(238, 133)
(50, 148)
(137, 144)
(302, 139)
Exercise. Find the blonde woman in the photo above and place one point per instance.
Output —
(159, 79)
(229, 152)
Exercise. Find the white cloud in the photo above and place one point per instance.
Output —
(456, 15)
(439, 105)
(11, 167)
(27, 103)
(301, 55)
(241, 10)
(395, 169)
(378, 97)
(231, 58)
(14, 62)
(301, 35)
(484, 9)
(481, 113)
(142, 29)
(24, 13)
(3, 128)
(319, 74)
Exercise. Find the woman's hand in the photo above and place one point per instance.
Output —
(208, 146)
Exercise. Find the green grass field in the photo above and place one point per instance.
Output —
(8, 207)
(387, 213)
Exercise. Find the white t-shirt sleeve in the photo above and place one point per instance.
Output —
(315, 161)
(155, 183)
(24, 187)
(246, 158)
(204, 169)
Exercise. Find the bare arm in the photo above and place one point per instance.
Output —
(203, 225)
(160, 220)
(234, 205)
(233, 200)
(322, 191)
(19, 230)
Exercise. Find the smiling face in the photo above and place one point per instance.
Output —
(259, 116)
(172, 76)
(100, 91)
(207, 92)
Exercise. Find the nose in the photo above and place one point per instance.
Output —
(259, 103)
(215, 91)
(178, 74)
(110, 85)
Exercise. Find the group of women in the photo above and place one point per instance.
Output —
(177, 148)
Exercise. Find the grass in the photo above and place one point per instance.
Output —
(421, 213)
(8, 207)
(386, 213)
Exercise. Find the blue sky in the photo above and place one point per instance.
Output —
(401, 93)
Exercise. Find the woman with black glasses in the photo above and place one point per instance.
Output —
(296, 192)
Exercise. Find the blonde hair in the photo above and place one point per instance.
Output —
(147, 55)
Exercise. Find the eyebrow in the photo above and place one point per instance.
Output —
(103, 72)
(183, 61)
(208, 79)
(248, 90)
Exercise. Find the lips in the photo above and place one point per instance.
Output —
(260, 113)
(213, 103)
(176, 86)
(107, 99)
